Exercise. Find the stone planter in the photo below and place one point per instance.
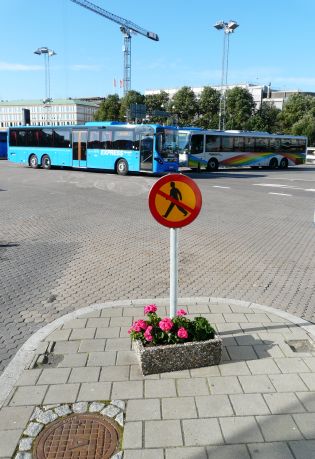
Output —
(173, 357)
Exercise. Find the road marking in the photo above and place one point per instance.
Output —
(280, 194)
(310, 189)
(218, 186)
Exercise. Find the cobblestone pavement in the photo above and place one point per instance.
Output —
(258, 403)
(72, 238)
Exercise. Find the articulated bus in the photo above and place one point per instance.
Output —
(212, 149)
(108, 145)
(3, 145)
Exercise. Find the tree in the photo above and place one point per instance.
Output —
(296, 107)
(209, 103)
(240, 107)
(305, 126)
(157, 103)
(184, 106)
(109, 109)
(132, 97)
(265, 119)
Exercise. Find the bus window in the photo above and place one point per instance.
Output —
(22, 140)
(261, 144)
(197, 143)
(106, 140)
(46, 138)
(94, 140)
(227, 143)
(238, 143)
(61, 138)
(249, 144)
(123, 140)
(213, 143)
(13, 138)
(274, 145)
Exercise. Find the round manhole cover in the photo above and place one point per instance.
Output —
(84, 436)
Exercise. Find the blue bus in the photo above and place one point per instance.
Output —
(107, 145)
(3, 145)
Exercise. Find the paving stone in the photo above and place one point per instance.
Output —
(241, 352)
(310, 362)
(111, 411)
(268, 351)
(14, 418)
(94, 391)
(59, 335)
(213, 406)
(306, 424)
(240, 430)
(115, 373)
(309, 380)
(80, 407)
(99, 322)
(101, 358)
(127, 389)
(292, 365)
(278, 427)
(307, 399)
(73, 360)
(120, 322)
(28, 395)
(92, 345)
(182, 374)
(75, 323)
(248, 404)
(155, 453)
(285, 383)
(228, 452)
(33, 429)
(276, 450)
(85, 374)
(280, 403)
(225, 385)
(28, 377)
(135, 374)
(256, 384)
(199, 432)
(196, 386)
(54, 376)
(82, 333)
(160, 388)
(204, 372)
(61, 393)
(263, 367)
(162, 434)
(234, 368)
(178, 408)
(143, 410)
(109, 332)
(186, 453)
(126, 358)
(132, 435)
(303, 449)
(8, 442)
(111, 312)
(118, 344)
(66, 347)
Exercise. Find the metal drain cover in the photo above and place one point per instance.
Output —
(84, 436)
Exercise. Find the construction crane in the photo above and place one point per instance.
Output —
(126, 27)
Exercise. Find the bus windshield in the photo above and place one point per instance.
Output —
(167, 145)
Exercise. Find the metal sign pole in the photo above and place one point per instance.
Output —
(173, 271)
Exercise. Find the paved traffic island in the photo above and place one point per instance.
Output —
(259, 402)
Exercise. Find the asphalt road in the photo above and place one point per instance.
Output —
(72, 238)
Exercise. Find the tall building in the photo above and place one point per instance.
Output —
(58, 112)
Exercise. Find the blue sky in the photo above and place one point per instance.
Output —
(274, 43)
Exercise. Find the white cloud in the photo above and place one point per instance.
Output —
(11, 67)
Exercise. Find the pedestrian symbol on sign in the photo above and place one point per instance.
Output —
(177, 195)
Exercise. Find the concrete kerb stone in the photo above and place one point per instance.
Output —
(27, 352)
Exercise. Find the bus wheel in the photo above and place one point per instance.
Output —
(283, 163)
(212, 165)
(46, 162)
(122, 167)
(33, 161)
(273, 163)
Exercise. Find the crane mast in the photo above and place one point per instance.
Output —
(126, 27)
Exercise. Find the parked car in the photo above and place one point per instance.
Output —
(310, 155)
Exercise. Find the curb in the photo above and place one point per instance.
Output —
(26, 353)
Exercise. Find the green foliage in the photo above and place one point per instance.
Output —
(265, 119)
(185, 106)
(202, 330)
(132, 97)
(157, 103)
(209, 103)
(296, 107)
(305, 126)
(109, 109)
(240, 107)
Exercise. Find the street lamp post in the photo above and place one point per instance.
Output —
(47, 54)
(227, 27)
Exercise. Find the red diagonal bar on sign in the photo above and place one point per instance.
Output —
(174, 201)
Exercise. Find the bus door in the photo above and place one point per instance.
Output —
(146, 152)
(79, 145)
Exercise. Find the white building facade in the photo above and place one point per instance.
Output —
(59, 112)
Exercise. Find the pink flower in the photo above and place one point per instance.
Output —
(147, 333)
(150, 308)
(181, 312)
(135, 327)
(182, 333)
(166, 324)
(130, 330)
(141, 323)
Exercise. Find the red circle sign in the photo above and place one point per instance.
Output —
(175, 200)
